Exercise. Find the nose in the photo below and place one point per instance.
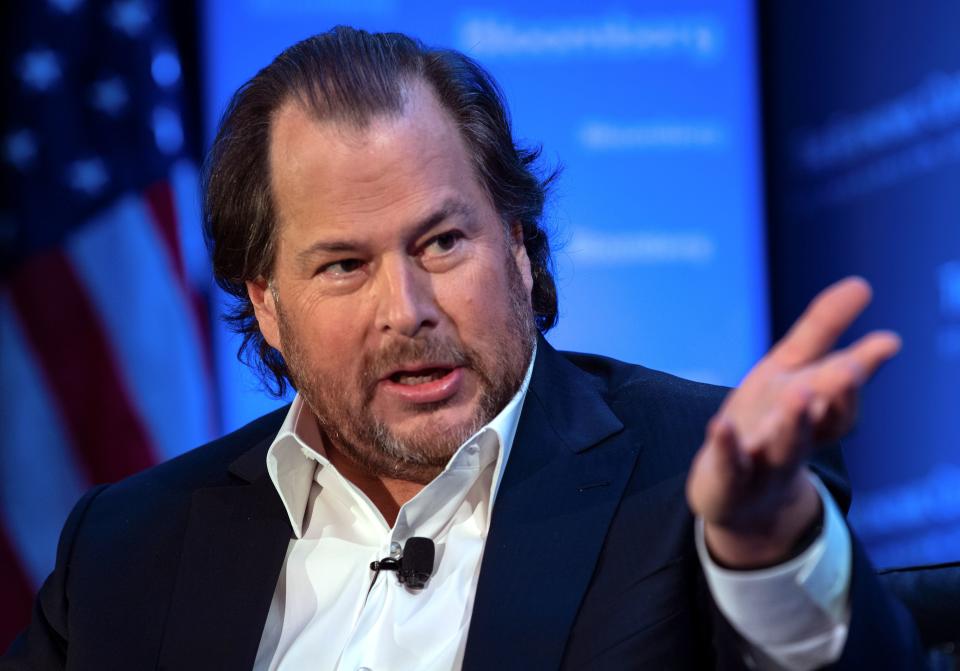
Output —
(406, 301)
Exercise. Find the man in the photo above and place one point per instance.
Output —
(368, 208)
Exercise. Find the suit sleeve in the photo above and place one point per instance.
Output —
(43, 645)
(862, 625)
(882, 633)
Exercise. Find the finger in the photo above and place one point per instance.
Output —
(833, 382)
(784, 436)
(731, 462)
(721, 455)
(851, 368)
(872, 351)
(823, 322)
(838, 419)
(836, 383)
(718, 468)
(832, 403)
(848, 370)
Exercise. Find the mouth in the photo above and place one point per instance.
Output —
(420, 375)
(423, 383)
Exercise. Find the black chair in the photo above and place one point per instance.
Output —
(932, 594)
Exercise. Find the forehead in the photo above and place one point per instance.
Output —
(335, 174)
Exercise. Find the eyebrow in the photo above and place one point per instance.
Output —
(448, 208)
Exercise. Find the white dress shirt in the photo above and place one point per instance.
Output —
(329, 611)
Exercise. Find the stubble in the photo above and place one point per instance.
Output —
(342, 407)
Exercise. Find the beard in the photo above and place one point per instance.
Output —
(418, 455)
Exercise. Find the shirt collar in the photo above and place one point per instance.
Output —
(293, 455)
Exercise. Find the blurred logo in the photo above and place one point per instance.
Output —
(642, 248)
(932, 106)
(950, 289)
(948, 336)
(911, 522)
(322, 8)
(696, 38)
(652, 135)
(853, 154)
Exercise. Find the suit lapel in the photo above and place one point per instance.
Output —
(567, 471)
(235, 543)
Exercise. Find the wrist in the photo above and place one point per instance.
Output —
(770, 541)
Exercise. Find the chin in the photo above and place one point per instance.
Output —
(440, 421)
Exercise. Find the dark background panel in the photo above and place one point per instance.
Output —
(862, 113)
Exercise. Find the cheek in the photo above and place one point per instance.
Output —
(475, 298)
(327, 335)
(307, 302)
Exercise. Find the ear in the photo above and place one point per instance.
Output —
(265, 308)
(520, 256)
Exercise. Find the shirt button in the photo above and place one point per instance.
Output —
(395, 550)
(364, 668)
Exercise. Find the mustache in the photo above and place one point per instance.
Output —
(401, 353)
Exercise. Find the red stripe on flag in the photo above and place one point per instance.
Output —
(160, 202)
(71, 348)
(199, 307)
(159, 197)
(16, 595)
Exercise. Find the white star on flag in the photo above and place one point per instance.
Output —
(88, 176)
(65, 6)
(130, 16)
(20, 148)
(109, 95)
(40, 69)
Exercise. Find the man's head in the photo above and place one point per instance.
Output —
(350, 76)
(368, 207)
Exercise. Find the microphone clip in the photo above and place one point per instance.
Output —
(414, 566)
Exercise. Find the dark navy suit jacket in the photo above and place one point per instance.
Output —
(589, 563)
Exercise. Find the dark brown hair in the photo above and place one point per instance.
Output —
(351, 75)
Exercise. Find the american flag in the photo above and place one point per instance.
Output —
(105, 365)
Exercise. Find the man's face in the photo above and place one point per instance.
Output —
(399, 299)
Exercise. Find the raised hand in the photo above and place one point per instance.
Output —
(748, 480)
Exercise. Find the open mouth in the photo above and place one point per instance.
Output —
(422, 376)
(424, 383)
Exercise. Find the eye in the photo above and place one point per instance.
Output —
(341, 267)
(445, 242)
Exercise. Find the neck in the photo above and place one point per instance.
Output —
(386, 493)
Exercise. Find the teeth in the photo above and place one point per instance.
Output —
(412, 380)
(418, 378)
